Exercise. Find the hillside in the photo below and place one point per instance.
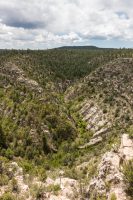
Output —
(66, 115)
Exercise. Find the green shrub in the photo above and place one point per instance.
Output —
(64, 131)
(68, 159)
(127, 118)
(4, 180)
(7, 196)
(128, 176)
(14, 185)
(54, 188)
(42, 174)
(46, 147)
(105, 111)
(2, 138)
(39, 193)
(53, 120)
(9, 153)
(27, 166)
(71, 173)
(95, 196)
(113, 197)
(130, 132)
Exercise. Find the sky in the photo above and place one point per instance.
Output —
(42, 24)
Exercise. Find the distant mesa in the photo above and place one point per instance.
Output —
(79, 47)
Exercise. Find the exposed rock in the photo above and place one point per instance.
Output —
(109, 172)
(101, 132)
(69, 189)
(119, 192)
(13, 72)
(82, 166)
(32, 84)
(23, 188)
(92, 142)
(97, 122)
(126, 148)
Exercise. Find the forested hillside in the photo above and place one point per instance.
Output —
(63, 109)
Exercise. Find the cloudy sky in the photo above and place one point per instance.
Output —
(52, 23)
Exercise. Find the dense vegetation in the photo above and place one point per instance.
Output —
(128, 175)
(61, 65)
(38, 127)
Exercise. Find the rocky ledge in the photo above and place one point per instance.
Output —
(110, 177)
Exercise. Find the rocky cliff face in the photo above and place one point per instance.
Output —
(97, 122)
(16, 75)
(110, 177)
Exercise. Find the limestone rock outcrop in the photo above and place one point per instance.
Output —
(110, 176)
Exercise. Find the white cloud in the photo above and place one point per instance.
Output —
(47, 23)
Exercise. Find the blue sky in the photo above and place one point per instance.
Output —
(42, 24)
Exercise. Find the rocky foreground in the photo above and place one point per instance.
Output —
(109, 179)
(110, 176)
